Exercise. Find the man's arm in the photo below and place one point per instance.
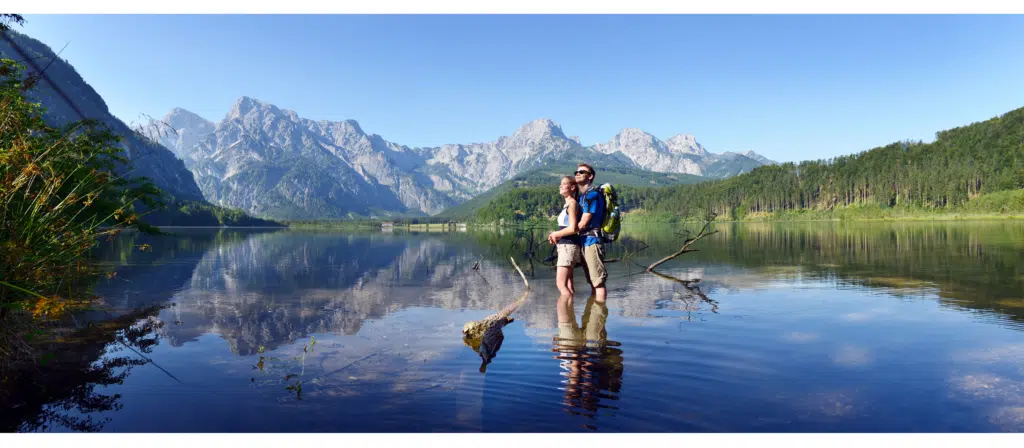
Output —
(584, 220)
(589, 207)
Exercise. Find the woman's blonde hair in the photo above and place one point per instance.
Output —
(575, 186)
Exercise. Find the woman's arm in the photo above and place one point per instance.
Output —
(574, 218)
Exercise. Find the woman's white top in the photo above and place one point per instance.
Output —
(563, 218)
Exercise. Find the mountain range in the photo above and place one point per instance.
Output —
(273, 163)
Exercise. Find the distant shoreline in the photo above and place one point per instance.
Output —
(626, 222)
(223, 227)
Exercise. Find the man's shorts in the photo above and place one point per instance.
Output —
(568, 255)
(593, 257)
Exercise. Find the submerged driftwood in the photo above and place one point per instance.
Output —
(485, 336)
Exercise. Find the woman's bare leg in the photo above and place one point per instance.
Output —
(563, 278)
(569, 283)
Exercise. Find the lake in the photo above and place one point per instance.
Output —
(795, 327)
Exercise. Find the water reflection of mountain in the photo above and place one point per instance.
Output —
(151, 277)
(272, 289)
(62, 393)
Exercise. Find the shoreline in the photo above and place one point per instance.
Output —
(627, 221)
(439, 229)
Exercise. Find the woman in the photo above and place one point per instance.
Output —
(565, 238)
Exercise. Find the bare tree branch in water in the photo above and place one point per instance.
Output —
(483, 278)
(520, 273)
(692, 288)
(532, 251)
(709, 218)
(629, 255)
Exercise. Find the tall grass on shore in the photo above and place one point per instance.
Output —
(60, 194)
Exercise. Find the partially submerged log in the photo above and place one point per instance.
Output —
(485, 336)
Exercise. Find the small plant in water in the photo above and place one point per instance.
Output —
(297, 387)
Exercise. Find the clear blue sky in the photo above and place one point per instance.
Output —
(788, 87)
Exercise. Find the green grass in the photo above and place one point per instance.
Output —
(61, 193)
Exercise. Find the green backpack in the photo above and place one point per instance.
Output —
(612, 221)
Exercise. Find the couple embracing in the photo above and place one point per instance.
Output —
(578, 238)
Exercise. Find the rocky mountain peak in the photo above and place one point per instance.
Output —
(630, 140)
(683, 138)
(538, 129)
(686, 144)
(246, 105)
(353, 126)
(179, 117)
(758, 157)
(634, 133)
(242, 106)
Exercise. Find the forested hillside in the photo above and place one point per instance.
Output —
(546, 180)
(973, 168)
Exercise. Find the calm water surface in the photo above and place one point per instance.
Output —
(791, 328)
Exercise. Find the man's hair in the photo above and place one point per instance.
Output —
(592, 171)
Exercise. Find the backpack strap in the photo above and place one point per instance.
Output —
(595, 231)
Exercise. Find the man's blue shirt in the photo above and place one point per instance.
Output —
(592, 202)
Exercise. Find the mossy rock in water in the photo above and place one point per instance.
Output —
(898, 282)
(1011, 303)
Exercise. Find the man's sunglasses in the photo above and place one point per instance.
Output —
(583, 172)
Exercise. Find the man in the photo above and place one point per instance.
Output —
(593, 207)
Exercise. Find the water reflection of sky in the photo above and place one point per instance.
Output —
(787, 348)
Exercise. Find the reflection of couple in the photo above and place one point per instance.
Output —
(592, 364)
(578, 239)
